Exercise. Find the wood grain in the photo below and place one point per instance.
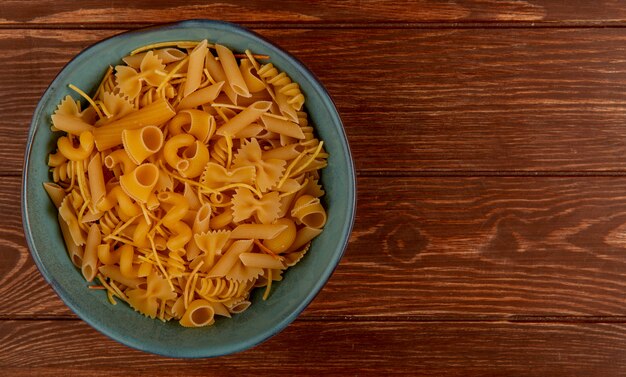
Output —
(59, 13)
(457, 248)
(311, 348)
(454, 100)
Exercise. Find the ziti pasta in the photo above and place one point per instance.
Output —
(191, 178)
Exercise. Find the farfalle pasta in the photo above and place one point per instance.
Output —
(190, 179)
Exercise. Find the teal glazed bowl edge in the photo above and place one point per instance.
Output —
(263, 319)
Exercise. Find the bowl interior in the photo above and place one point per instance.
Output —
(264, 318)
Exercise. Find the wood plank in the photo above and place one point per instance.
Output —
(50, 348)
(47, 12)
(416, 101)
(470, 248)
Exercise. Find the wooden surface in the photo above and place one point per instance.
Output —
(490, 144)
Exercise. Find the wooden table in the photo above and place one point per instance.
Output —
(490, 144)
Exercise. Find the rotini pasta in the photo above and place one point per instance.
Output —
(187, 181)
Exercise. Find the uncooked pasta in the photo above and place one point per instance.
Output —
(189, 179)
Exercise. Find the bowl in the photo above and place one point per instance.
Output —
(120, 322)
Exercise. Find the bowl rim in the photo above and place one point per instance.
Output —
(317, 287)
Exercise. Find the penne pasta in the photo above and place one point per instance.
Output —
(216, 71)
(257, 231)
(199, 313)
(228, 260)
(114, 273)
(89, 265)
(195, 68)
(55, 192)
(96, 178)
(244, 118)
(201, 96)
(282, 127)
(74, 251)
(231, 69)
(261, 261)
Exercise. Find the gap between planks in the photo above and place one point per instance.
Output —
(401, 319)
(341, 25)
(488, 173)
(456, 173)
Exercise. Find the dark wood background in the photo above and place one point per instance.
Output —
(490, 144)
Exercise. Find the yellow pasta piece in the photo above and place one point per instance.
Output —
(140, 233)
(285, 108)
(89, 266)
(287, 152)
(172, 220)
(304, 236)
(76, 153)
(243, 274)
(292, 258)
(166, 55)
(69, 216)
(222, 220)
(89, 99)
(56, 159)
(195, 68)
(231, 69)
(191, 196)
(268, 171)
(283, 127)
(245, 206)
(194, 157)
(244, 118)
(146, 300)
(309, 211)
(74, 251)
(217, 72)
(201, 96)
(282, 241)
(211, 243)
(96, 178)
(142, 143)
(240, 307)
(258, 231)
(70, 124)
(253, 83)
(113, 272)
(260, 261)
(180, 44)
(202, 219)
(228, 260)
(199, 313)
(55, 192)
(110, 135)
(127, 256)
(215, 175)
(194, 122)
(139, 184)
(117, 196)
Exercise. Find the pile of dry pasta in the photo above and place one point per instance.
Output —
(189, 179)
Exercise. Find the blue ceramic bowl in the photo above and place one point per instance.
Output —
(264, 318)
